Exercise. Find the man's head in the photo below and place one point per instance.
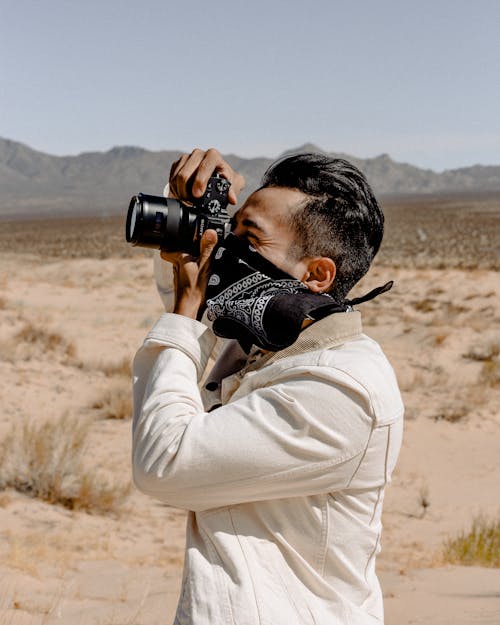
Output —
(316, 218)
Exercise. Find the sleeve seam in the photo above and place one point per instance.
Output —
(280, 475)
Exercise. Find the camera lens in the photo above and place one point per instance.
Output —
(134, 207)
(160, 223)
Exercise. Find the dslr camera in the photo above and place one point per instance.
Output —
(174, 226)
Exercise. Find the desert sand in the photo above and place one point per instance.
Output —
(69, 329)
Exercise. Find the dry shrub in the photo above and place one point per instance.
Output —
(483, 352)
(116, 401)
(490, 372)
(425, 305)
(489, 354)
(451, 310)
(46, 461)
(451, 413)
(423, 500)
(480, 295)
(440, 338)
(480, 546)
(39, 336)
(444, 309)
(436, 290)
(121, 368)
(31, 341)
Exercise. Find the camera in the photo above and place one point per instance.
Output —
(174, 226)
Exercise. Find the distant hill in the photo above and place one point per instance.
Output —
(33, 183)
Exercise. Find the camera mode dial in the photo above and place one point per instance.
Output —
(214, 206)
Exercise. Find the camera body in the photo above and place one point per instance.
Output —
(174, 226)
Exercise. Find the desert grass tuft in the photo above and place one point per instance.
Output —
(451, 413)
(121, 368)
(484, 352)
(50, 341)
(480, 546)
(490, 372)
(45, 461)
(31, 341)
(111, 369)
(116, 401)
(440, 338)
(426, 305)
(424, 499)
(489, 354)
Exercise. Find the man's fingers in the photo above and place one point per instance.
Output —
(183, 174)
(189, 175)
(212, 161)
(174, 257)
(207, 243)
(176, 165)
(174, 169)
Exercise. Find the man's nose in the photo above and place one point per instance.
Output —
(237, 229)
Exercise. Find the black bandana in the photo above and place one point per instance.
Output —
(251, 300)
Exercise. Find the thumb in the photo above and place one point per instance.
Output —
(207, 244)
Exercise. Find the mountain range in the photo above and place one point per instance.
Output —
(35, 184)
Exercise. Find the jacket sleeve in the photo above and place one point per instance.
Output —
(299, 435)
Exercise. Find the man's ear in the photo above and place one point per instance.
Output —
(320, 274)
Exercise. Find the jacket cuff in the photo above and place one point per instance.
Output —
(189, 336)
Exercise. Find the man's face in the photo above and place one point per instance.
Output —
(264, 221)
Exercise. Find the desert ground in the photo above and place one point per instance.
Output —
(80, 546)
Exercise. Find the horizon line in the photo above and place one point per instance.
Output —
(232, 153)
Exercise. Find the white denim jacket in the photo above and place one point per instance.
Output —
(284, 481)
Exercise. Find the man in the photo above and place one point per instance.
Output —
(283, 456)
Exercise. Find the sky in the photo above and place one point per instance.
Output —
(417, 80)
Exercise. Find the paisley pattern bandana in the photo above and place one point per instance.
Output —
(251, 300)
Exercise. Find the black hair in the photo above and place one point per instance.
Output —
(340, 219)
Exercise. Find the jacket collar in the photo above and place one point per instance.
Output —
(330, 331)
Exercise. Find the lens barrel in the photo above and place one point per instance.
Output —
(174, 226)
(160, 223)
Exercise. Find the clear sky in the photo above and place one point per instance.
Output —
(417, 80)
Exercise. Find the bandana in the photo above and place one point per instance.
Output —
(250, 299)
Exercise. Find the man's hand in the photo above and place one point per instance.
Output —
(190, 174)
(188, 180)
(191, 276)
